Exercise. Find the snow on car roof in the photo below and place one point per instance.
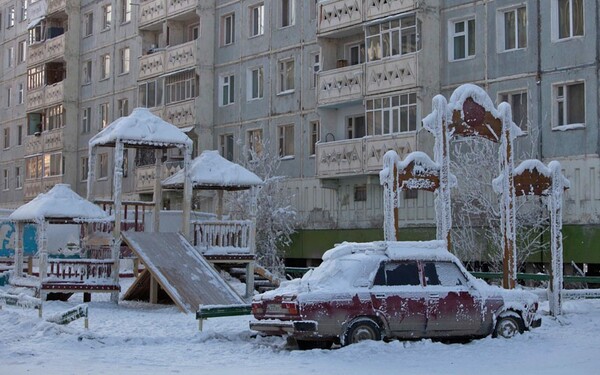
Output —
(434, 249)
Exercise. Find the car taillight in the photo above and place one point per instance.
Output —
(291, 307)
(257, 308)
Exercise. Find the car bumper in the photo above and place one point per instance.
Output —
(298, 329)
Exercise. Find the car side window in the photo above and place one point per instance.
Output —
(398, 273)
(444, 274)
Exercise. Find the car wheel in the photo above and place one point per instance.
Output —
(508, 327)
(311, 344)
(362, 330)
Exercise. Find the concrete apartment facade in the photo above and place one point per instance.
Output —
(329, 86)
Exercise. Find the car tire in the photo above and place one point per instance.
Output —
(312, 344)
(362, 330)
(508, 327)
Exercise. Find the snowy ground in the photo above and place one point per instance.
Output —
(137, 338)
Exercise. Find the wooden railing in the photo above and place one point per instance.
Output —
(230, 235)
(79, 271)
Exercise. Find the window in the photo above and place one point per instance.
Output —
(123, 107)
(8, 96)
(53, 165)
(228, 29)
(85, 168)
(6, 137)
(286, 140)
(88, 24)
(181, 86)
(394, 114)
(18, 178)
(34, 123)
(315, 135)
(55, 117)
(10, 56)
(10, 20)
(360, 193)
(23, 13)
(86, 72)
(193, 32)
(356, 127)
(22, 51)
(569, 18)
(37, 33)
(86, 120)
(6, 180)
(255, 82)
(226, 146)
(106, 17)
(124, 59)
(462, 39)
(356, 53)
(443, 274)
(287, 13)
(286, 75)
(150, 93)
(255, 143)
(227, 89)
(125, 11)
(19, 135)
(103, 166)
(33, 167)
(513, 29)
(392, 38)
(104, 66)
(103, 116)
(518, 102)
(569, 104)
(36, 77)
(398, 273)
(257, 20)
(316, 68)
(21, 93)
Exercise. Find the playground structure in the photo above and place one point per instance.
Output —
(471, 113)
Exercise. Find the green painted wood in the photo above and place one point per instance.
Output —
(205, 312)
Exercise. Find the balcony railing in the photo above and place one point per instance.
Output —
(152, 11)
(56, 6)
(338, 14)
(181, 6)
(361, 155)
(151, 65)
(167, 60)
(391, 74)
(45, 96)
(382, 8)
(223, 237)
(341, 85)
(145, 175)
(181, 113)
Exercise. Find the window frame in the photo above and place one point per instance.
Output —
(284, 80)
(125, 11)
(103, 115)
(85, 168)
(257, 20)
(86, 72)
(285, 146)
(227, 29)
(227, 146)
(391, 33)
(287, 13)
(6, 180)
(105, 66)
(508, 96)
(378, 108)
(106, 17)
(556, 29)
(86, 120)
(564, 99)
(102, 166)
(453, 35)
(226, 89)
(6, 142)
(88, 24)
(260, 77)
(314, 137)
(18, 177)
(502, 28)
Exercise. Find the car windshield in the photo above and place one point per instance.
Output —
(342, 273)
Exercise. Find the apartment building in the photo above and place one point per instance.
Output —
(329, 86)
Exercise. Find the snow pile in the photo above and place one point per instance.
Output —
(212, 170)
(59, 202)
(141, 127)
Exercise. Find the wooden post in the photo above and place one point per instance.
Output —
(251, 244)
(18, 268)
(153, 290)
(91, 173)
(187, 192)
(117, 191)
(157, 190)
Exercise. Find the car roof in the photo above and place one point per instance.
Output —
(395, 250)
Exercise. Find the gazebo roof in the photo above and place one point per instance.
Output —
(141, 128)
(211, 171)
(59, 203)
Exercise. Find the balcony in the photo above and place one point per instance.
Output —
(167, 60)
(46, 51)
(55, 6)
(45, 96)
(46, 141)
(145, 176)
(360, 156)
(382, 8)
(181, 6)
(181, 113)
(339, 14)
(391, 74)
(34, 187)
(341, 85)
(151, 12)
(151, 65)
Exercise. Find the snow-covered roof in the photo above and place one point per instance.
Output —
(141, 128)
(60, 202)
(212, 171)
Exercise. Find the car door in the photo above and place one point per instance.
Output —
(398, 295)
(453, 307)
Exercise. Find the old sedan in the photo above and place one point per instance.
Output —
(386, 290)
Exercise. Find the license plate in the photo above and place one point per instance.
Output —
(276, 309)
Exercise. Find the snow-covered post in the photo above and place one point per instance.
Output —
(42, 241)
(158, 153)
(388, 178)
(187, 191)
(251, 242)
(18, 268)
(91, 172)
(555, 205)
(437, 124)
(117, 191)
(507, 211)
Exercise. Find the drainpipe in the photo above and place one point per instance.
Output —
(539, 80)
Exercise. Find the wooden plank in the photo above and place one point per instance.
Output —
(205, 312)
(180, 270)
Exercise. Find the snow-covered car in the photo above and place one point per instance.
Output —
(387, 290)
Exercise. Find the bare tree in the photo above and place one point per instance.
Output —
(476, 233)
(275, 216)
